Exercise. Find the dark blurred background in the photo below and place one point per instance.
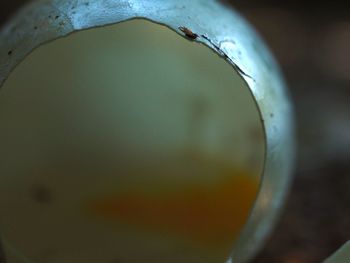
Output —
(311, 40)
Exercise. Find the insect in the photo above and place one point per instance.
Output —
(188, 33)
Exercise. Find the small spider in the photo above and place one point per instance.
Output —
(188, 33)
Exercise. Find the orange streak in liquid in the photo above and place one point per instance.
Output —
(209, 215)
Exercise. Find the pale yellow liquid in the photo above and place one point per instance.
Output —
(126, 144)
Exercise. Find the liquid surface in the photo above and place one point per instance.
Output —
(126, 143)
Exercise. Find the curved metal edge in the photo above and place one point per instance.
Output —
(212, 24)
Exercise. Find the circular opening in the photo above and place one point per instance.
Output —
(127, 143)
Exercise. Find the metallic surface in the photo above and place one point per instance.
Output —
(207, 22)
